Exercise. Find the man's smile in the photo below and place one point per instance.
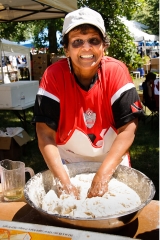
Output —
(86, 56)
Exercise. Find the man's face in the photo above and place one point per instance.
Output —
(85, 50)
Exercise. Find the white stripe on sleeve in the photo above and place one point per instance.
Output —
(42, 92)
(120, 91)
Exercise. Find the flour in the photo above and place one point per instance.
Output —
(117, 200)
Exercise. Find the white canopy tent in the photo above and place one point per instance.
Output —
(8, 48)
(12, 48)
(136, 30)
(27, 10)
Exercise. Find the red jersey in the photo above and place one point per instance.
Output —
(86, 122)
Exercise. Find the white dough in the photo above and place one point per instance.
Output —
(119, 199)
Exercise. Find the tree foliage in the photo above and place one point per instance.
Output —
(149, 16)
(16, 31)
(44, 31)
(121, 47)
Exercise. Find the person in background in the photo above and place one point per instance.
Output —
(19, 60)
(10, 59)
(141, 70)
(24, 60)
(156, 55)
(147, 85)
(139, 51)
(14, 62)
(87, 107)
(3, 62)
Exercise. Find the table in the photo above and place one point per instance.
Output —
(146, 226)
(18, 96)
(22, 116)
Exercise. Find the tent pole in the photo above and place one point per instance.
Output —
(144, 46)
(1, 61)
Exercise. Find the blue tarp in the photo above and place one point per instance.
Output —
(149, 43)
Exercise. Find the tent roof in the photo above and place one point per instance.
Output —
(136, 30)
(8, 48)
(26, 10)
(11, 48)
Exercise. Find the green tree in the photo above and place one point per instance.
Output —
(121, 43)
(149, 16)
(44, 31)
(16, 31)
(21, 31)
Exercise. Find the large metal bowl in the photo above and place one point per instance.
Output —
(41, 183)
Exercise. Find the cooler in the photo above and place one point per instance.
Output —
(18, 93)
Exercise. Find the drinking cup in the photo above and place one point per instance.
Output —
(13, 179)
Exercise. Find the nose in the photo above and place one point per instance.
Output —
(86, 44)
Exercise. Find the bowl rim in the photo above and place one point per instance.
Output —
(108, 217)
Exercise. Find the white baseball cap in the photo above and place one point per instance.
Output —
(83, 16)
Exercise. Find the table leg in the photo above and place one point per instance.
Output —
(22, 118)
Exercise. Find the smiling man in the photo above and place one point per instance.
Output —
(87, 107)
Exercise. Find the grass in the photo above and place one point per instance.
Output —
(144, 151)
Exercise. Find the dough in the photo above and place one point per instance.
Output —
(119, 199)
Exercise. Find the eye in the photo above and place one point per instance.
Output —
(94, 41)
(77, 43)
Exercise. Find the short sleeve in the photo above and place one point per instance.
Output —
(127, 107)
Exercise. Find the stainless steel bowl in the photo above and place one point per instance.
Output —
(41, 183)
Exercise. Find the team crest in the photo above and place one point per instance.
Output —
(89, 118)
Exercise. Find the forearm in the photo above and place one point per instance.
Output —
(119, 147)
(50, 152)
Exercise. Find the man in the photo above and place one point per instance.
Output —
(87, 107)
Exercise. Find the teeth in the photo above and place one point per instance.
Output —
(86, 56)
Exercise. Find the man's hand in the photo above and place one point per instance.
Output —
(69, 189)
(98, 187)
(119, 147)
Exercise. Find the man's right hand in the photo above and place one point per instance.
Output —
(68, 189)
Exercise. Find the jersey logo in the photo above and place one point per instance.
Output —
(89, 118)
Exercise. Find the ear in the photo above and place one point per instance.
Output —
(66, 52)
(104, 50)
